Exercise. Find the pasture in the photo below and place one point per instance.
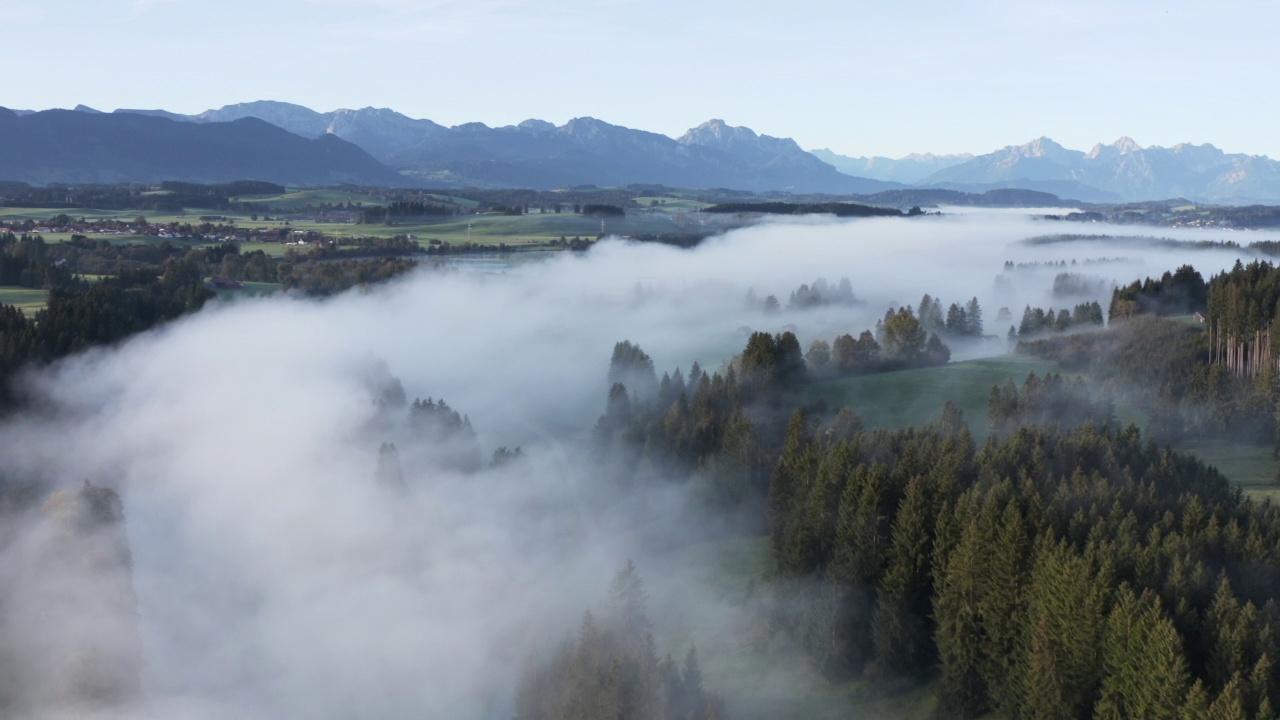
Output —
(25, 299)
(911, 397)
(299, 199)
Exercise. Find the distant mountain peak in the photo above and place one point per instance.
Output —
(718, 133)
(536, 125)
(586, 121)
(1126, 145)
(1123, 146)
(1188, 147)
(86, 109)
(1041, 147)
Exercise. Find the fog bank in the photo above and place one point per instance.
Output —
(276, 578)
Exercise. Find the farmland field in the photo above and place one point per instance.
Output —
(25, 299)
(480, 229)
(302, 198)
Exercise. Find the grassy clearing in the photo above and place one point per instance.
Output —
(459, 201)
(39, 214)
(911, 397)
(302, 198)
(25, 299)
(272, 249)
(712, 595)
(671, 204)
(1251, 467)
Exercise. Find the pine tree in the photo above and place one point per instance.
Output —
(1227, 637)
(958, 593)
(1042, 696)
(974, 314)
(1229, 705)
(791, 473)
(1067, 602)
(899, 628)
(389, 474)
(628, 603)
(1143, 661)
(1002, 607)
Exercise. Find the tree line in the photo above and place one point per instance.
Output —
(1036, 321)
(839, 209)
(1241, 315)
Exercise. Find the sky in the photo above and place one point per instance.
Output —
(861, 78)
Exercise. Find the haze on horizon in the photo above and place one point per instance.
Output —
(861, 80)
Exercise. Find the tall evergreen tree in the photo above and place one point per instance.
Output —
(899, 628)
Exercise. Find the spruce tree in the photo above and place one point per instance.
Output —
(1143, 661)
(958, 593)
(791, 472)
(899, 628)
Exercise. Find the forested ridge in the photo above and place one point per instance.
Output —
(1055, 572)
(1062, 567)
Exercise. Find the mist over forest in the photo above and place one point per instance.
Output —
(325, 513)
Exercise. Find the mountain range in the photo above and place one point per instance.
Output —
(295, 145)
(540, 155)
(1123, 170)
(82, 146)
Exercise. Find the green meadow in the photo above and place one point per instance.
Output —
(299, 199)
(25, 299)
(910, 397)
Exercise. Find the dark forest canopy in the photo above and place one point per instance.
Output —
(839, 209)
(1053, 573)
(168, 196)
(1180, 292)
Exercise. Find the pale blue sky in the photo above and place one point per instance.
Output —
(884, 77)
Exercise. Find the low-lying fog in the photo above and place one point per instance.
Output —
(275, 579)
